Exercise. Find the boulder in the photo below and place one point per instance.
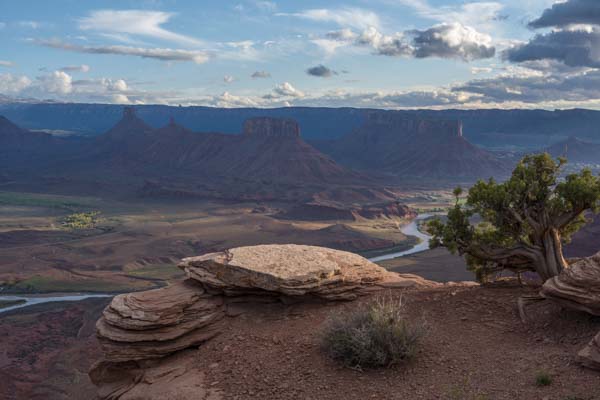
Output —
(589, 356)
(577, 287)
(159, 322)
(292, 270)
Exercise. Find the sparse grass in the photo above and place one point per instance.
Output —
(543, 378)
(378, 334)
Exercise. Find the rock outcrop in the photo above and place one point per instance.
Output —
(589, 356)
(271, 127)
(292, 270)
(146, 337)
(156, 323)
(577, 287)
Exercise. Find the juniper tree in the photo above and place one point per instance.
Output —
(522, 222)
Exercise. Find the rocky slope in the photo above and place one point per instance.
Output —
(576, 150)
(142, 334)
(409, 147)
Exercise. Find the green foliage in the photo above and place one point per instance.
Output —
(542, 378)
(376, 335)
(84, 220)
(514, 215)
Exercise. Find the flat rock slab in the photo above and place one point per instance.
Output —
(290, 270)
(577, 287)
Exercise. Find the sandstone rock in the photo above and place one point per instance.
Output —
(589, 356)
(175, 377)
(159, 322)
(292, 270)
(577, 287)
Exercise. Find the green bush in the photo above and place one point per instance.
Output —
(542, 378)
(378, 334)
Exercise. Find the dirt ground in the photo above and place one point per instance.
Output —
(476, 348)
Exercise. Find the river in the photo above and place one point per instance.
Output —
(39, 299)
(411, 229)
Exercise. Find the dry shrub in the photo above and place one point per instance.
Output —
(378, 334)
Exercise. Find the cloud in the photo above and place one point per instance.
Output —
(58, 82)
(134, 22)
(571, 12)
(197, 57)
(481, 70)
(4, 63)
(443, 40)
(228, 79)
(29, 24)
(575, 48)
(284, 89)
(383, 44)
(76, 68)
(13, 84)
(260, 74)
(321, 71)
(452, 40)
(346, 16)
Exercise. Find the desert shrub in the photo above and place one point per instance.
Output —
(542, 378)
(378, 334)
(84, 220)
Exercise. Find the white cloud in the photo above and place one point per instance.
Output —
(228, 79)
(481, 70)
(443, 40)
(163, 54)
(134, 22)
(4, 63)
(345, 17)
(120, 99)
(284, 89)
(58, 82)
(29, 24)
(13, 84)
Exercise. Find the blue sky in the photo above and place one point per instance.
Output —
(378, 53)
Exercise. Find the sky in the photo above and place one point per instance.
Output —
(255, 53)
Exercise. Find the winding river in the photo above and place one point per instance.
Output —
(412, 229)
(29, 301)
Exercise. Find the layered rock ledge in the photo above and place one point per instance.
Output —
(293, 270)
(141, 334)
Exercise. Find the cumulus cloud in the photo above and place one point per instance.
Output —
(260, 74)
(571, 12)
(228, 79)
(58, 82)
(321, 71)
(481, 70)
(163, 54)
(13, 84)
(446, 40)
(134, 22)
(346, 16)
(383, 44)
(76, 68)
(4, 63)
(575, 48)
(452, 40)
(284, 89)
